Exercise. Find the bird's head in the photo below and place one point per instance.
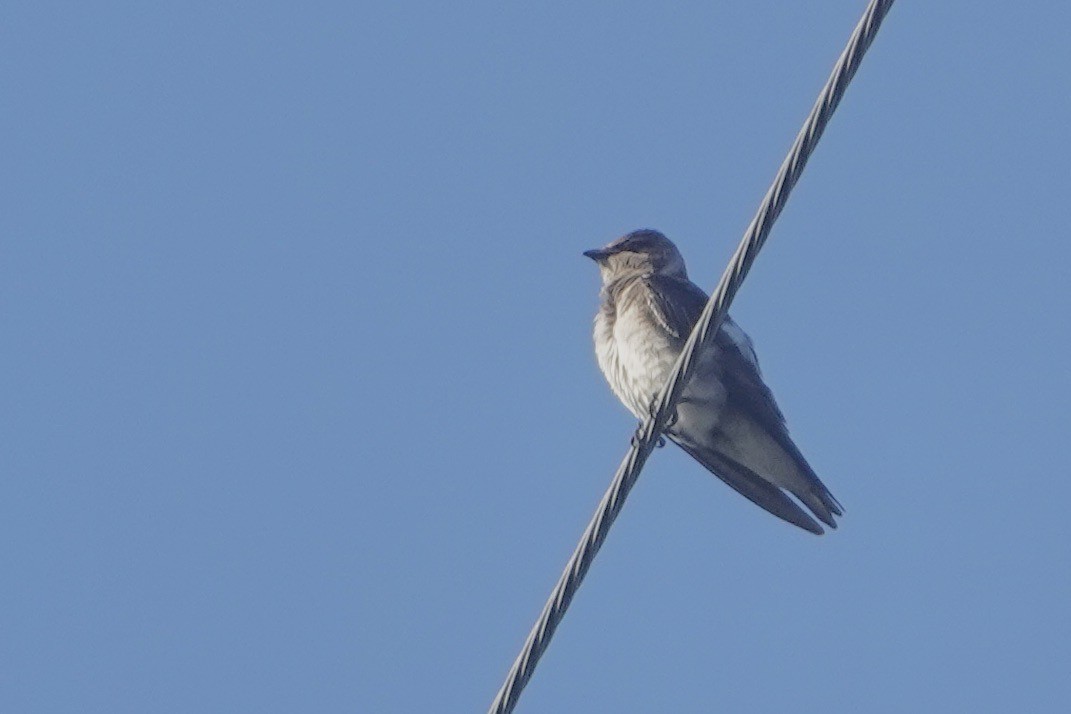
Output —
(641, 252)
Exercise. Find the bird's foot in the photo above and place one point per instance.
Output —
(639, 432)
(652, 412)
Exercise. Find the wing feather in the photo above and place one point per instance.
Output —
(676, 304)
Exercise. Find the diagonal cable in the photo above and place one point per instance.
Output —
(708, 324)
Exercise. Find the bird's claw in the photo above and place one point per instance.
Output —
(639, 432)
(671, 420)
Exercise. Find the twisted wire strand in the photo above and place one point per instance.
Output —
(708, 324)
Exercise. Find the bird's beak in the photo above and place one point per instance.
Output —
(597, 255)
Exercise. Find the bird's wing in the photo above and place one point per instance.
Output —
(748, 484)
(675, 304)
(751, 426)
(759, 420)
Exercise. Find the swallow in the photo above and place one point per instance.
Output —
(726, 418)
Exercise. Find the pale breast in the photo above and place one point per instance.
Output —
(634, 353)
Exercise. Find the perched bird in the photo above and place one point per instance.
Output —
(726, 418)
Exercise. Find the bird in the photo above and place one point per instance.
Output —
(727, 418)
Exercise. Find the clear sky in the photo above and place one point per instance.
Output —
(300, 407)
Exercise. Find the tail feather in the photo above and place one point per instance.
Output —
(767, 452)
(756, 489)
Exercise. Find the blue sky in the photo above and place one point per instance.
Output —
(301, 411)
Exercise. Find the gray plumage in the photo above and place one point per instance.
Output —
(727, 418)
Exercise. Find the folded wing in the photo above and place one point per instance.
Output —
(740, 435)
